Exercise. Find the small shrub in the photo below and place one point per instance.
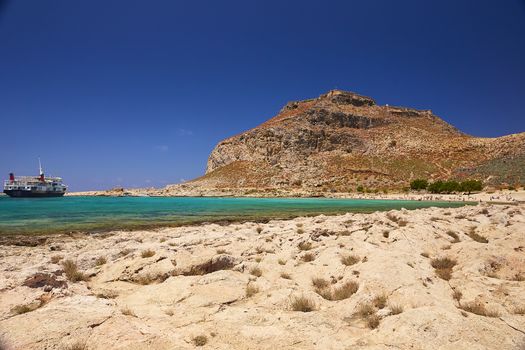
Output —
(304, 246)
(286, 276)
(127, 312)
(373, 321)
(386, 234)
(380, 301)
(258, 259)
(477, 238)
(519, 277)
(319, 282)
(259, 250)
(77, 346)
(443, 263)
(396, 309)
(457, 295)
(300, 231)
(22, 309)
(162, 240)
(72, 273)
(281, 262)
(100, 261)
(308, 257)
(257, 272)
(520, 310)
(419, 184)
(145, 279)
(350, 260)
(302, 303)
(55, 259)
(200, 340)
(454, 235)
(479, 309)
(251, 290)
(148, 253)
(259, 229)
(345, 291)
(125, 252)
(365, 309)
(221, 251)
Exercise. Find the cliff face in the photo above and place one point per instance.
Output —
(340, 140)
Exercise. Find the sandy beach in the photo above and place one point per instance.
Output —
(423, 279)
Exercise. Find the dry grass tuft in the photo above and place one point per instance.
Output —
(350, 260)
(302, 303)
(55, 259)
(345, 291)
(300, 231)
(520, 310)
(454, 235)
(72, 273)
(479, 309)
(443, 267)
(127, 312)
(319, 282)
(308, 257)
(251, 290)
(380, 301)
(457, 295)
(365, 309)
(100, 261)
(259, 229)
(477, 238)
(77, 346)
(148, 253)
(386, 234)
(200, 340)
(258, 259)
(286, 276)
(22, 309)
(281, 262)
(256, 271)
(125, 252)
(304, 246)
(221, 251)
(396, 309)
(373, 321)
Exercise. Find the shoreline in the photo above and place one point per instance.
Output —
(32, 235)
(234, 285)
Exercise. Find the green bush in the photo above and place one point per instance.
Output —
(452, 186)
(419, 184)
(360, 189)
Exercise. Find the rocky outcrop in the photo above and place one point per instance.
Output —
(341, 139)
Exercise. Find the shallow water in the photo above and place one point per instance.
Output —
(55, 215)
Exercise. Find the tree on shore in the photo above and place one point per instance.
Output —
(419, 184)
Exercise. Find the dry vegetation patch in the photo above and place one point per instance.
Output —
(200, 340)
(100, 261)
(304, 246)
(71, 270)
(454, 235)
(443, 267)
(350, 260)
(479, 309)
(256, 271)
(302, 303)
(308, 257)
(251, 290)
(148, 253)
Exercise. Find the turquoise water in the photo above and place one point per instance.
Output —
(53, 215)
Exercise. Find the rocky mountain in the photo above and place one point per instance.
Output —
(341, 140)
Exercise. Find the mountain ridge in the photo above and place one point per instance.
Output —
(341, 140)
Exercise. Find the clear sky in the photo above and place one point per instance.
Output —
(137, 93)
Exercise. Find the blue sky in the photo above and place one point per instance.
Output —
(137, 93)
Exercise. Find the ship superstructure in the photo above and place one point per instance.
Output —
(34, 186)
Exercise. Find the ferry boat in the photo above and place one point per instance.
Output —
(34, 186)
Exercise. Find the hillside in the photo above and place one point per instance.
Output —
(341, 140)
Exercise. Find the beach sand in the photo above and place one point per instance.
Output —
(381, 282)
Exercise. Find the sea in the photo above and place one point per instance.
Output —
(35, 216)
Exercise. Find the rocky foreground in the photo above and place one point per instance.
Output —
(423, 279)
